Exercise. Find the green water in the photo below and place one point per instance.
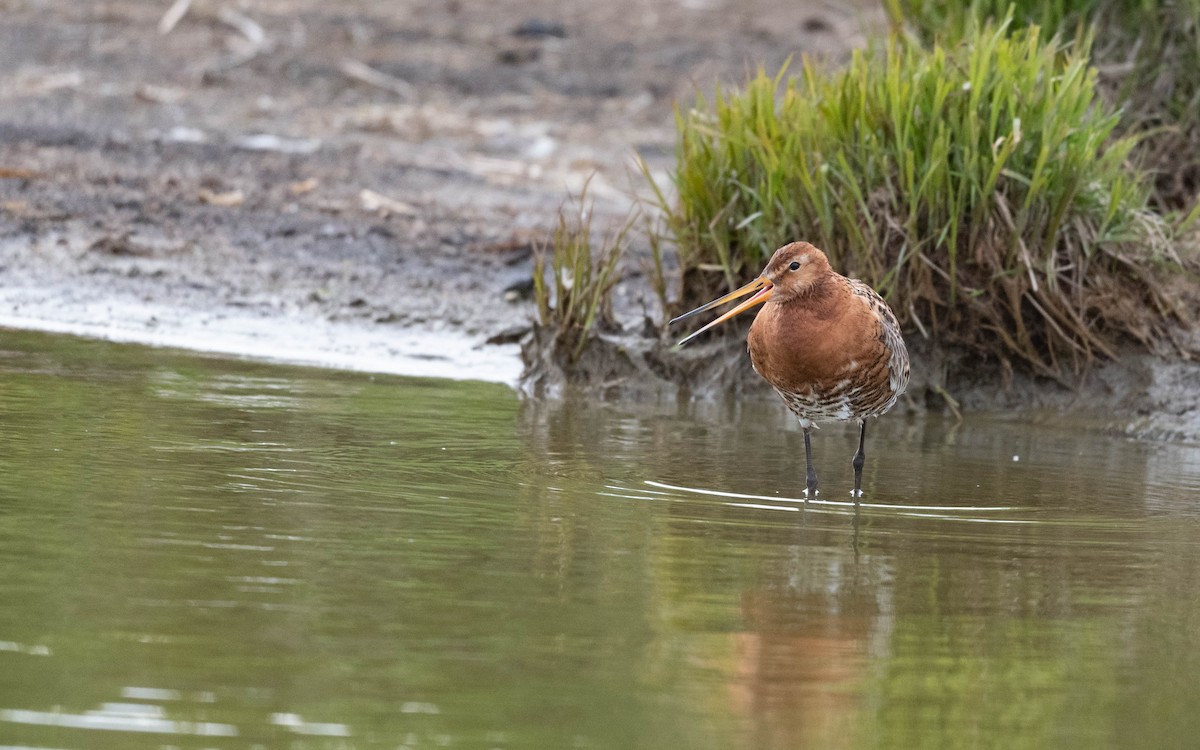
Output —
(198, 553)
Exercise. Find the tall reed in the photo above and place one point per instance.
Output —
(573, 280)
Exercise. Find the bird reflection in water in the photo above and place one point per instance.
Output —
(804, 652)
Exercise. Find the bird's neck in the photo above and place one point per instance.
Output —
(815, 295)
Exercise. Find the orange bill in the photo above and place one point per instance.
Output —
(760, 285)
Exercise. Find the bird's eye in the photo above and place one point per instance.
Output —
(795, 265)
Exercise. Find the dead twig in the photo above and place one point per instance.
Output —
(16, 173)
(253, 40)
(366, 74)
(228, 199)
(373, 201)
(244, 25)
(951, 403)
(174, 15)
(304, 186)
(159, 94)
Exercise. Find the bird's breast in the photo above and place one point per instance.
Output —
(827, 361)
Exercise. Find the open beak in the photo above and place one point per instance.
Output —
(760, 285)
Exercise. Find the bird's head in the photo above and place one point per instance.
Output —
(793, 271)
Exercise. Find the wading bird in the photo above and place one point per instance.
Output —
(829, 345)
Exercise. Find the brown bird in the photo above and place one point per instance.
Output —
(829, 345)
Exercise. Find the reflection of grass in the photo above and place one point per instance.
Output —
(1149, 52)
(578, 299)
(976, 186)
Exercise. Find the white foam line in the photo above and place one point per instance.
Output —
(1010, 521)
(118, 723)
(756, 506)
(663, 497)
(295, 339)
(21, 648)
(150, 694)
(312, 728)
(632, 497)
(648, 492)
(841, 503)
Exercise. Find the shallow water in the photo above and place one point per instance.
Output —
(205, 553)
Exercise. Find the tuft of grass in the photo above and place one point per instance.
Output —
(977, 186)
(1148, 52)
(577, 300)
(948, 21)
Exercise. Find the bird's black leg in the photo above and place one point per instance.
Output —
(811, 473)
(860, 458)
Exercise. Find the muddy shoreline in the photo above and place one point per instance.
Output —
(240, 185)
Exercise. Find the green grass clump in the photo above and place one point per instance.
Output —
(977, 186)
(949, 22)
(577, 301)
(1149, 55)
